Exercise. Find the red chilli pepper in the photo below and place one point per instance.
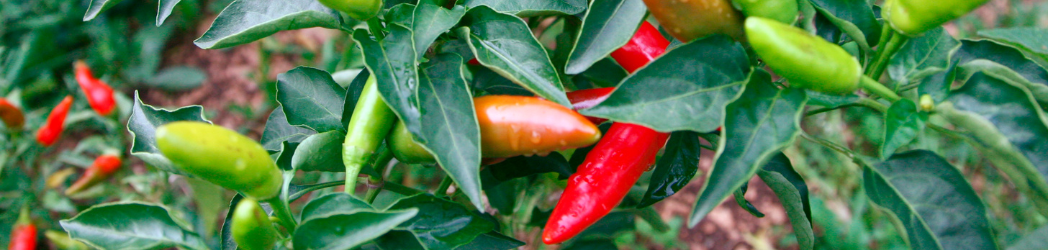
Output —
(23, 235)
(99, 94)
(587, 98)
(55, 123)
(103, 167)
(11, 114)
(616, 162)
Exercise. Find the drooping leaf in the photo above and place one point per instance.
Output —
(523, 166)
(1032, 39)
(353, 90)
(608, 25)
(788, 185)
(854, 17)
(740, 199)
(245, 21)
(331, 204)
(1012, 58)
(451, 133)
(922, 56)
(320, 152)
(142, 126)
(492, 241)
(529, 8)
(442, 224)
(931, 199)
(902, 123)
(278, 130)
(504, 44)
(97, 7)
(429, 21)
(130, 225)
(692, 99)
(311, 98)
(164, 10)
(675, 168)
(352, 229)
(762, 121)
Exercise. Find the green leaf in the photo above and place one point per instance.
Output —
(524, 166)
(451, 133)
(931, 199)
(430, 21)
(609, 227)
(179, 78)
(762, 121)
(492, 241)
(245, 21)
(788, 185)
(1032, 39)
(1032, 241)
(854, 17)
(922, 56)
(97, 7)
(353, 90)
(692, 99)
(442, 224)
(209, 202)
(486, 80)
(334, 203)
(320, 152)
(130, 225)
(830, 100)
(1006, 124)
(740, 199)
(1009, 57)
(606, 73)
(598, 244)
(278, 130)
(608, 25)
(164, 10)
(348, 230)
(311, 98)
(504, 44)
(676, 167)
(142, 126)
(530, 8)
(902, 123)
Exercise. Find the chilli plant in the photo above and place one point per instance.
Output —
(520, 102)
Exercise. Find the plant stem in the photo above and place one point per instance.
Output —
(375, 182)
(442, 190)
(648, 214)
(885, 54)
(352, 173)
(874, 87)
(281, 210)
(870, 103)
(375, 26)
(830, 145)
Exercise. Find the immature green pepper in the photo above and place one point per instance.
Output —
(221, 156)
(357, 9)
(405, 149)
(784, 11)
(371, 121)
(913, 17)
(807, 61)
(252, 228)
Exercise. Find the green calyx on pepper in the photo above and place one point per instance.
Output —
(784, 11)
(806, 60)
(357, 9)
(221, 156)
(913, 17)
(252, 229)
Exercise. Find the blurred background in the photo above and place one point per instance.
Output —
(40, 40)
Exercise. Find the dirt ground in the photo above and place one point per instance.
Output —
(230, 83)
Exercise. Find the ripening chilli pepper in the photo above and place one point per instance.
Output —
(252, 229)
(806, 60)
(372, 120)
(103, 167)
(511, 126)
(613, 165)
(913, 17)
(55, 123)
(13, 117)
(688, 20)
(220, 156)
(99, 94)
(587, 98)
(23, 234)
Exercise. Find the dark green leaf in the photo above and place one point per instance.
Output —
(348, 230)
(142, 126)
(1009, 57)
(353, 90)
(1033, 241)
(523, 166)
(451, 133)
(902, 123)
(606, 73)
(130, 226)
(320, 152)
(932, 200)
(245, 21)
(97, 7)
(529, 8)
(485, 79)
(831, 101)
(610, 226)
(1032, 39)
(492, 241)
(793, 194)
(165, 9)
(679, 163)
(311, 98)
(429, 21)
(608, 25)
(762, 121)
(692, 99)
(442, 224)
(395, 68)
(278, 130)
(854, 17)
(179, 78)
(504, 44)
(598, 244)
(331, 204)
(922, 56)
(740, 199)
(399, 240)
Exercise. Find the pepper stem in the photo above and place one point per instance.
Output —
(352, 172)
(885, 53)
(878, 89)
(281, 210)
(375, 26)
(375, 182)
(442, 190)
